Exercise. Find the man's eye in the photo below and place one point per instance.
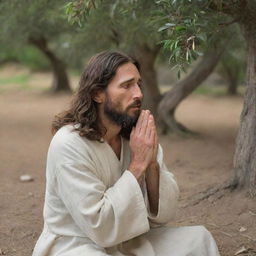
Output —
(126, 86)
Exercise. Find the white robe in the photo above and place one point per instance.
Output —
(94, 206)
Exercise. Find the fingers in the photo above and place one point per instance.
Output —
(144, 123)
(150, 128)
(132, 132)
(140, 121)
(144, 142)
(155, 139)
(145, 126)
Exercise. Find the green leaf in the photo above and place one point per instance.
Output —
(166, 26)
(180, 28)
(202, 37)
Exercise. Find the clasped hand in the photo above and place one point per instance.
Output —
(143, 144)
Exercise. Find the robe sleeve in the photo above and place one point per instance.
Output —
(168, 195)
(108, 216)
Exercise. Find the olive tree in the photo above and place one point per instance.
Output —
(39, 23)
(211, 16)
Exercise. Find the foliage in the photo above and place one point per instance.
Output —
(121, 24)
(232, 66)
(184, 28)
(19, 79)
(22, 20)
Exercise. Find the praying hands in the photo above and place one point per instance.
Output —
(143, 144)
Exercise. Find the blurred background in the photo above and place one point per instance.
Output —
(193, 64)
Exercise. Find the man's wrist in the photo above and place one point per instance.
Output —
(137, 170)
(153, 165)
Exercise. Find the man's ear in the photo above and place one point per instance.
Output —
(99, 96)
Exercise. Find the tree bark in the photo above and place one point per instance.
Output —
(232, 85)
(146, 56)
(244, 11)
(231, 75)
(170, 101)
(245, 153)
(60, 77)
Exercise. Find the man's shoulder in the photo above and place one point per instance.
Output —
(68, 137)
(66, 132)
(68, 146)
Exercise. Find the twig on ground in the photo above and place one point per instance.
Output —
(189, 217)
(250, 238)
(225, 233)
(212, 224)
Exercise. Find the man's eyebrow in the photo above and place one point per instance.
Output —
(130, 80)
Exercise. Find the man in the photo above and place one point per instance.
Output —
(108, 191)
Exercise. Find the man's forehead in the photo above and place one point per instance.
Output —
(127, 72)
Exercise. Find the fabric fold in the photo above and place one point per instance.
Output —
(108, 216)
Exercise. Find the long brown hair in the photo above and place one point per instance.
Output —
(83, 110)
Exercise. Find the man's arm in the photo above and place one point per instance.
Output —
(152, 181)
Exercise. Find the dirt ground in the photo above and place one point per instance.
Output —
(199, 162)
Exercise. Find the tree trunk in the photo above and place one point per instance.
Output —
(244, 159)
(60, 78)
(232, 86)
(185, 87)
(245, 154)
(231, 75)
(146, 56)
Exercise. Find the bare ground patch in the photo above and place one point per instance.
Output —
(198, 163)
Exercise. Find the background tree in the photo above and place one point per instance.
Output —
(39, 23)
(232, 66)
(184, 87)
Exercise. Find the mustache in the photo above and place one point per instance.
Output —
(136, 103)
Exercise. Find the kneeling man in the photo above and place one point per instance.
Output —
(108, 191)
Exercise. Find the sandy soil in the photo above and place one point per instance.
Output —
(198, 162)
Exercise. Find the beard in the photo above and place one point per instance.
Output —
(122, 118)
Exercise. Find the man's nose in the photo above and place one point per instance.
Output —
(137, 93)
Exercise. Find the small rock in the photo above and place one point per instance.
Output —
(26, 178)
(30, 194)
(242, 229)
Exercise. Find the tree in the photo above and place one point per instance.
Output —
(227, 12)
(232, 70)
(183, 88)
(37, 23)
(192, 23)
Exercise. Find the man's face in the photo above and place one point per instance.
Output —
(123, 96)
